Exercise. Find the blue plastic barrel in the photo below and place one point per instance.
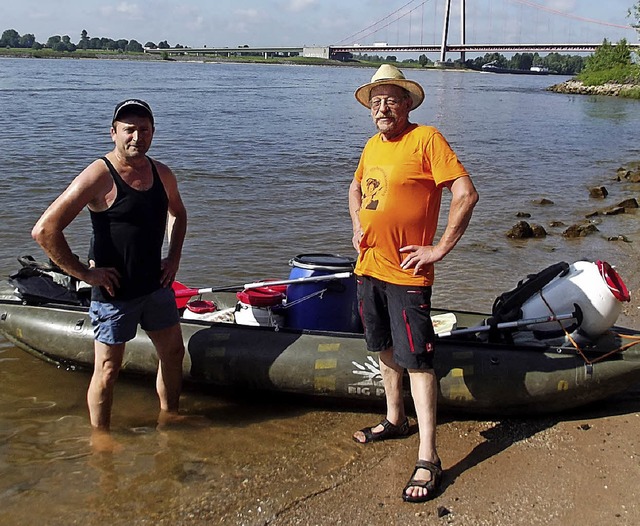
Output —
(330, 305)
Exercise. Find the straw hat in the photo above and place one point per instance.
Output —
(388, 74)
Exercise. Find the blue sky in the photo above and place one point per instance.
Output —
(233, 23)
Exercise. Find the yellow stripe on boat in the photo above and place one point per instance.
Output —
(326, 363)
(457, 389)
(324, 383)
(329, 347)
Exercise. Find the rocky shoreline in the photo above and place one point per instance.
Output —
(576, 87)
(629, 205)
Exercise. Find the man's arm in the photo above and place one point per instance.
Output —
(177, 225)
(89, 187)
(463, 200)
(355, 202)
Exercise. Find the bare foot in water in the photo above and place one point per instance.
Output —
(103, 442)
(167, 418)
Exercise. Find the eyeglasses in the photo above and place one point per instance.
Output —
(389, 101)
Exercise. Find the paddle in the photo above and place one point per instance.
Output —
(182, 291)
(508, 325)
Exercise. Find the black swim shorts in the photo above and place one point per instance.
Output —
(398, 317)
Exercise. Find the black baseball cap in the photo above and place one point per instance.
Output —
(136, 106)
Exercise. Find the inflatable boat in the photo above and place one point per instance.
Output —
(549, 345)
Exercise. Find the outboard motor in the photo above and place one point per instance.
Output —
(593, 291)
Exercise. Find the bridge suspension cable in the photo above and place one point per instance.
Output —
(568, 15)
(351, 37)
(402, 12)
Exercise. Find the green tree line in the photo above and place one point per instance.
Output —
(12, 39)
(611, 63)
(634, 12)
(554, 62)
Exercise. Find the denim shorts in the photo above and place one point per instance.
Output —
(398, 317)
(117, 322)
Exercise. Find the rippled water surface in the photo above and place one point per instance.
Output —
(264, 156)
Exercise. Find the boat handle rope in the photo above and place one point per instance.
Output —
(304, 298)
(573, 342)
(621, 348)
(636, 341)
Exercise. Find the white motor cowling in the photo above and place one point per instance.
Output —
(595, 290)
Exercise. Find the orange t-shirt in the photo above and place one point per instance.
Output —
(401, 182)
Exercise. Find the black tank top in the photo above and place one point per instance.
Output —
(129, 236)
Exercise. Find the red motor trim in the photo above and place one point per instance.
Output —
(613, 281)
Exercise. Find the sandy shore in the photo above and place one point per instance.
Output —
(577, 468)
(580, 467)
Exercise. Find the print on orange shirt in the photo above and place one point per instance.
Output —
(374, 189)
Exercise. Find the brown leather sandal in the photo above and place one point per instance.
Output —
(432, 486)
(389, 431)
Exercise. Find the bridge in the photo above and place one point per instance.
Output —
(380, 31)
(464, 48)
(234, 51)
(335, 51)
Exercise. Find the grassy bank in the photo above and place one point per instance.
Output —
(102, 54)
(87, 53)
(129, 55)
(627, 78)
(613, 65)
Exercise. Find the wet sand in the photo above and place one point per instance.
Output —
(580, 467)
(576, 468)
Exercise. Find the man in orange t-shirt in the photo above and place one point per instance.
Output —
(394, 202)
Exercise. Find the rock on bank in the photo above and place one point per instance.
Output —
(578, 88)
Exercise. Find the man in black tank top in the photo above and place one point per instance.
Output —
(129, 197)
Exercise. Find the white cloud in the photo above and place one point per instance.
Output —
(300, 5)
(123, 8)
(190, 17)
(198, 23)
(128, 9)
(252, 14)
(247, 21)
(566, 6)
